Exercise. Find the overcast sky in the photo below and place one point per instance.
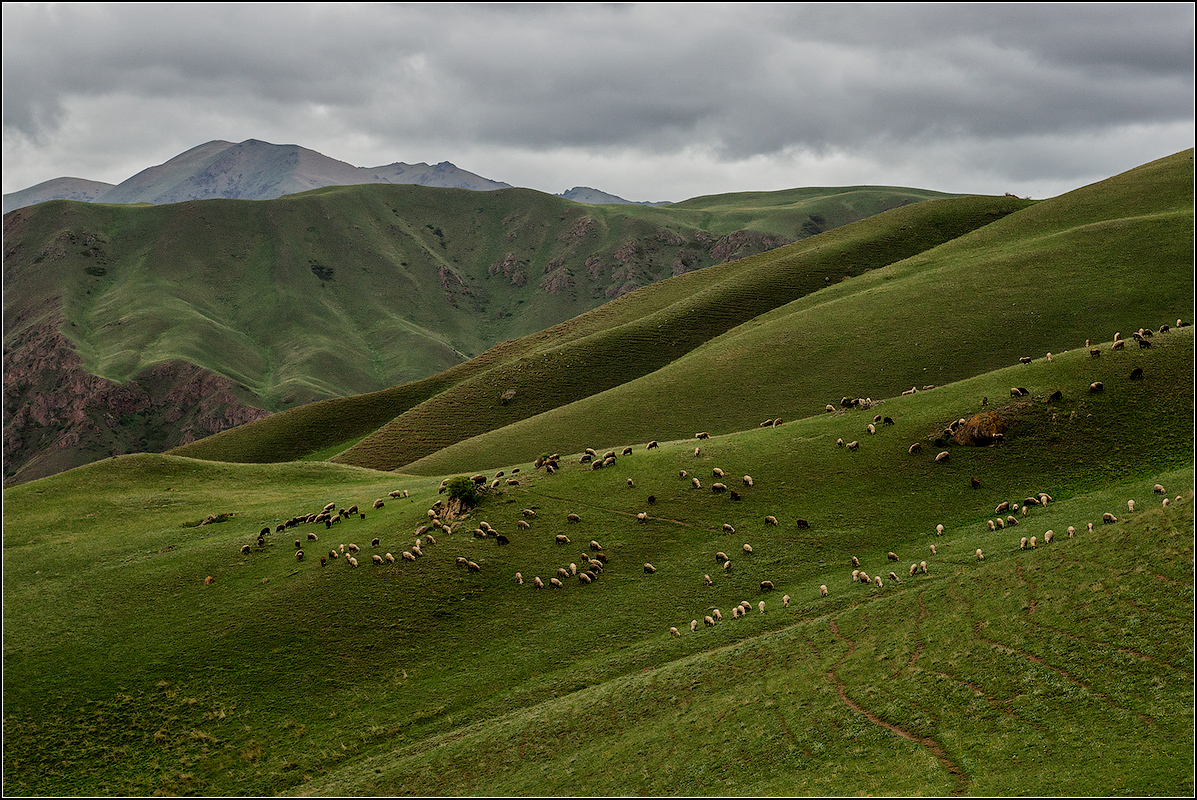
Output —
(646, 101)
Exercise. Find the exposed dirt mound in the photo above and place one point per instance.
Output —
(981, 430)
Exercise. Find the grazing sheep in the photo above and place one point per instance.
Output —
(562, 572)
(410, 556)
(891, 556)
(562, 539)
(299, 555)
(748, 549)
(761, 606)
(766, 586)
(332, 555)
(727, 565)
(673, 632)
(1024, 360)
(538, 583)
(1001, 523)
(390, 558)
(693, 625)
(720, 557)
(351, 561)
(501, 539)
(855, 561)
(1033, 543)
(914, 448)
(556, 584)
(642, 517)
(718, 617)
(727, 528)
(1108, 517)
(1090, 527)
(244, 549)
(839, 442)
(1130, 506)
(708, 621)
(297, 544)
(980, 555)
(696, 483)
(855, 575)
(697, 452)
(312, 537)
(1158, 489)
(716, 472)
(771, 520)
(923, 567)
(939, 530)
(1048, 536)
(1096, 387)
(913, 569)
(1011, 519)
(378, 504)
(572, 518)
(706, 580)
(877, 581)
(801, 523)
(1093, 351)
(1165, 502)
(991, 525)
(595, 545)
(649, 568)
(932, 551)
(864, 577)
(853, 445)
(737, 612)
(585, 578)
(718, 488)
(374, 542)
(870, 429)
(893, 577)
(747, 480)
(1026, 510)
(942, 456)
(353, 548)
(377, 558)
(1022, 544)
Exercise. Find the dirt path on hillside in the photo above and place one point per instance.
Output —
(932, 746)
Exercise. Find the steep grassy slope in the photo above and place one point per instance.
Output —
(333, 293)
(1114, 256)
(620, 341)
(1004, 676)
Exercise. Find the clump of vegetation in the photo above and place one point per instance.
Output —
(464, 491)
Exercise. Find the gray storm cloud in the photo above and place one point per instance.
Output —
(728, 83)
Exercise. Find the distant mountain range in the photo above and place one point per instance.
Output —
(257, 170)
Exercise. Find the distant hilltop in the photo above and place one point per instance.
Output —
(257, 170)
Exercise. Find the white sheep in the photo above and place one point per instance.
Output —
(649, 568)
(556, 583)
(1001, 523)
(718, 617)
(1158, 489)
(1071, 531)
(352, 561)
(748, 481)
(693, 625)
(991, 525)
(943, 456)
(761, 606)
(717, 473)
(1034, 542)
(1090, 527)
(736, 612)
(673, 632)
(853, 445)
(390, 558)
(939, 530)
(728, 528)
(913, 569)
(1022, 544)
(1108, 518)
(1165, 506)
(748, 549)
(727, 565)
(980, 555)
(1047, 537)
(877, 580)
(771, 520)
(933, 550)
(377, 558)
(642, 517)
(706, 581)
(708, 621)
(538, 583)
(923, 567)
(1130, 506)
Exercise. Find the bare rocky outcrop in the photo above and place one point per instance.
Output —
(58, 416)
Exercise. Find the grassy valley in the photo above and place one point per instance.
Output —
(162, 636)
(327, 294)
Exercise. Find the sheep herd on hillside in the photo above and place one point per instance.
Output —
(590, 565)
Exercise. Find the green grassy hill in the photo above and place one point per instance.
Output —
(916, 296)
(126, 674)
(331, 293)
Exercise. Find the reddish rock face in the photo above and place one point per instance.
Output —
(58, 416)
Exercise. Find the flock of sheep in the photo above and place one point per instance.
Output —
(594, 562)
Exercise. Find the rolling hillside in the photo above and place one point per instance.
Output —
(137, 328)
(913, 297)
(989, 677)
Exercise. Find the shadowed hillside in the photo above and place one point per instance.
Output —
(332, 293)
